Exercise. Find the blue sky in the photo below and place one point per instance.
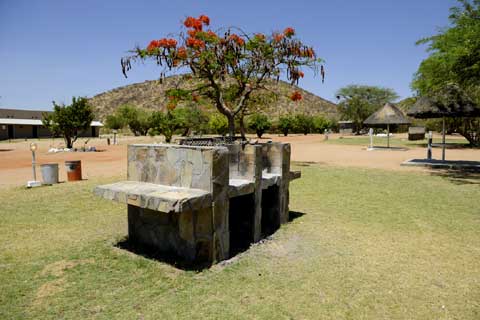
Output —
(53, 50)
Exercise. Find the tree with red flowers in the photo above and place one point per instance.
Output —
(229, 64)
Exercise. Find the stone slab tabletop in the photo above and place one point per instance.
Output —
(270, 179)
(444, 164)
(240, 187)
(154, 196)
(295, 175)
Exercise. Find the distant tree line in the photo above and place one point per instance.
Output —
(188, 120)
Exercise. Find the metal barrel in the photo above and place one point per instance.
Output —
(49, 173)
(74, 170)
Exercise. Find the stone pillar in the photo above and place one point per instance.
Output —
(276, 160)
(285, 183)
(220, 204)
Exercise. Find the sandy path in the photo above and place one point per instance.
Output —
(16, 170)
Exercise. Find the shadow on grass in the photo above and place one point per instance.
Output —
(459, 176)
(175, 260)
(152, 253)
(293, 215)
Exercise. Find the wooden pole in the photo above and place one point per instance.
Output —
(388, 136)
(443, 139)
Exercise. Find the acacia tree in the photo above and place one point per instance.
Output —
(454, 61)
(230, 64)
(357, 102)
(69, 120)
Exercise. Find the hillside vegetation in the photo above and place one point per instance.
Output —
(151, 95)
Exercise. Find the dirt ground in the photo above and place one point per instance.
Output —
(16, 166)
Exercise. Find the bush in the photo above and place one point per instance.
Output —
(114, 122)
(259, 123)
(218, 123)
(189, 119)
(320, 124)
(303, 124)
(164, 123)
(286, 124)
(69, 120)
(138, 120)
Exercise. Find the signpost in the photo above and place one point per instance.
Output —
(34, 182)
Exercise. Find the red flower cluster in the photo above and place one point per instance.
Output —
(212, 34)
(182, 53)
(205, 20)
(197, 26)
(192, 33)
(197, 23)
(277, 37)
(296, 96)
(288, 32)
(162, 43)
(195, 43)
(236, 38)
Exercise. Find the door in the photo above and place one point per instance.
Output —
(10, 131)
(35, 131)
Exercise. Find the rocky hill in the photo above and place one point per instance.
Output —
(151, 95)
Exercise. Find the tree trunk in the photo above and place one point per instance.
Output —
(242, 129)
(68, 142)
(231, 126)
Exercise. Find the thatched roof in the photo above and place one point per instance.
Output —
(452, 102)
(388, 114)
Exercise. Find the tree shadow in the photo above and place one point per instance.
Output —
(458, 176)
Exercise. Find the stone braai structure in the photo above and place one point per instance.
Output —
(203, 204)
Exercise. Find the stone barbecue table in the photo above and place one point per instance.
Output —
(203, 204)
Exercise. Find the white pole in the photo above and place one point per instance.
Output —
(33, 166)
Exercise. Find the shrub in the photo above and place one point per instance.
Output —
(138, 120)
(189, 118)
(320, 124)
(114, 122)
(303, 123)
(218, 123)
(259, 123)
(69, 120)
(286, 124)
(164, 123)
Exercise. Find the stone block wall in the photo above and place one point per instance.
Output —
(200, 235)
(204, 234)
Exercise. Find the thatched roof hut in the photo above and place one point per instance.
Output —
(451, 102)
(386, 115)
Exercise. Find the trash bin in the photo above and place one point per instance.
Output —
(49, 173)
(74, 170)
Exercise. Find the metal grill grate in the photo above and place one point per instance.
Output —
(209, 142)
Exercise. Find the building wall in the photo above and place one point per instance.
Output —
(3, 132)
(43, 132)
(26, 131)
(23, 131)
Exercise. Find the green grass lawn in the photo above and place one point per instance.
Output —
(370, 245)
(395, 141)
